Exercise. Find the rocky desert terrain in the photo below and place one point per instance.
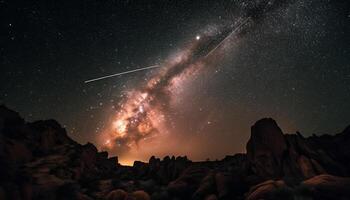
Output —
(39, 160)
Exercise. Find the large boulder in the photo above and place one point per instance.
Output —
(188, 181)
(206, 187)
(117, 194)
(264, 190)
(326, 186)
(271, 154)
(139, 195)
(266, 147)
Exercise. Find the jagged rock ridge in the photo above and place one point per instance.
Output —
(39, 161)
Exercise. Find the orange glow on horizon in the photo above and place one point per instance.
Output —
(126, 162)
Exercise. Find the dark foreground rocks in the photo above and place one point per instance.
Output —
(39, 161)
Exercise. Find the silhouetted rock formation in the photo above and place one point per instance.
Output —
(39, 161)
(161, 171)
(266, 148)
(274, 155)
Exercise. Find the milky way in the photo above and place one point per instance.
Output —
(289, 61)
(143, 113)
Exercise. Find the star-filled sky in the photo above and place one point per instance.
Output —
(222, 66)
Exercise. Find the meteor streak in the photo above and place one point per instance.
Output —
(235, 30)
(121, 73)
(201, 51)
(147, 111)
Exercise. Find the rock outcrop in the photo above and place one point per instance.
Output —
(322, 186)
(40, 161)
(265, 190)
(326, 186)
(266, 148)
(274, 155)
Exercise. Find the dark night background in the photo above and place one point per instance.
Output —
(293, 66)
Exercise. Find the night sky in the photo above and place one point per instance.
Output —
(292, 64)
